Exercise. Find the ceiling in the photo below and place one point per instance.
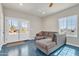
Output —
(39, 9)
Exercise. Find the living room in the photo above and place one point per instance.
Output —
(22, 23)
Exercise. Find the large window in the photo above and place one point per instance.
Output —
(68, 25)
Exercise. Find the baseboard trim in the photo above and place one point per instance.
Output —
(72, 44)
(15, 43)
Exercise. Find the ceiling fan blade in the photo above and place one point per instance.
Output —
(50, 5)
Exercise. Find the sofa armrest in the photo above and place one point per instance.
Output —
(61, 39)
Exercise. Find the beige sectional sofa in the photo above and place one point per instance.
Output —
(48, 44)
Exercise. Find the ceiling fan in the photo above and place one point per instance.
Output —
(50, 4)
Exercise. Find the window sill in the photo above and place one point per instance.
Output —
(71, 36)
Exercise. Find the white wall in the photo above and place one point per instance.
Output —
(50, 23)
(1, 25)
(35, 22)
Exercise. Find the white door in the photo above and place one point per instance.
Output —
(24, 29)
(11, 30)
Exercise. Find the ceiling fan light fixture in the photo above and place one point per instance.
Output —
(21, 4)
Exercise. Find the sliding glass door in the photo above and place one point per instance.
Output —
(11, 30)
(16, 29)
(24, 30)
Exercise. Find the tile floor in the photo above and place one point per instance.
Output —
(29, 49)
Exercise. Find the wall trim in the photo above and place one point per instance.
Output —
(73, 44)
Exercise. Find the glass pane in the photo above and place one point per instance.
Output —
(24, 27)
(64, 23)
(13, 26)
(74, 22)
(61, 23)
(69, 23)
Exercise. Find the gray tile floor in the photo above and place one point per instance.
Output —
(29, 49)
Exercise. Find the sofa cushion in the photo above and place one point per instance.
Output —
(46, 34)
(46, 44)
(40, 37)
(50, 34)
(40, 34)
